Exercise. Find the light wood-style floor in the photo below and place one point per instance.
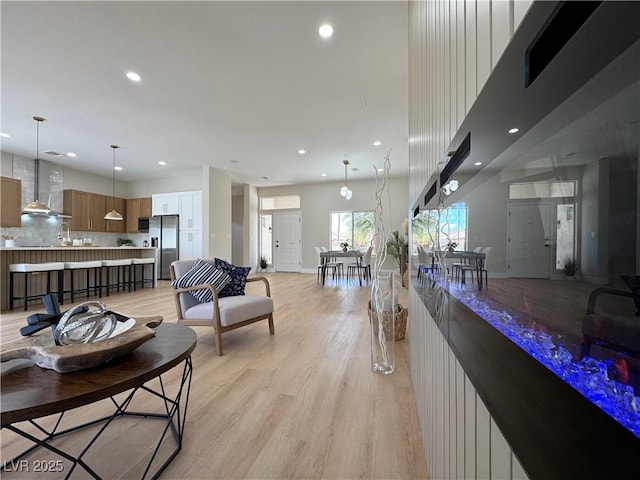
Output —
(303, 403)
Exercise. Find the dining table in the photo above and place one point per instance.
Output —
(475, 259)
(326, 257)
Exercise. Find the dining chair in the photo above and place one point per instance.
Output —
(326, 265)
(362, 267)
(457, 267)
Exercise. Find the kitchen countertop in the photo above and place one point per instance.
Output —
(75, 248)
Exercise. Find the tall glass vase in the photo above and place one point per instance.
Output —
(382, 316)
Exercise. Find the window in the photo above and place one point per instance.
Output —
(266, 222)
(356, 228)
(280, 203)
(550, 189)
(434, 229)
(565, 237)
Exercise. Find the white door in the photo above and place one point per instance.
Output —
(530, 238)
(287, 242)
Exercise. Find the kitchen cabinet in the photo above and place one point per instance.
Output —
(136, 208)
(190, 225)
(86, 209)
(190, 244)
(191, 210)
(11, 191)
(165, 204)
(145, 207)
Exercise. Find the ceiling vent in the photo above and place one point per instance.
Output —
(54, 154)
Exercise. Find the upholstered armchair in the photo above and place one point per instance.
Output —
(203, 304)
(619, 332)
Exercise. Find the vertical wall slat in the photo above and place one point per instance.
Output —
(500, 454)
(483, 440)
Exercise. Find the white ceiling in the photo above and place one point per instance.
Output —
(240, 86)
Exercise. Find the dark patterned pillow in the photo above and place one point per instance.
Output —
(633, 282)
(238, 278)
(203, 273)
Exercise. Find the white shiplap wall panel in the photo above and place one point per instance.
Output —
(483, 440)
(500, 454)
(520, 8)
(501, 28)
(483, 42)
(469, 429)
(452, 45)
(460, 62)
(471, 55)
(460, 434)
(453, 417)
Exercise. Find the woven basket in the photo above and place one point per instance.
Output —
(400, 323)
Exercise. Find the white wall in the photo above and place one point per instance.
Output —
(237, 229)
(190, 179)
(317, 201)
(216, 213)
(251, 229)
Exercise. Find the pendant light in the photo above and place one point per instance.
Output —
(344, 191)
(37, 206)
(113, 215)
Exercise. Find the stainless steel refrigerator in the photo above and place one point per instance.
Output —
(164, 235)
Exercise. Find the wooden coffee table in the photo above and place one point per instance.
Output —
(30, 392)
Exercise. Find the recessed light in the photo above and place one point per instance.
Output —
(477, 164)
(514, 130)
(377, 143)
(323, 174)
(71, 154)
(5, 135)
(325, 31)
(134, 77)
(161, 162)
(380, 169)
(302, 151)
(117, 168)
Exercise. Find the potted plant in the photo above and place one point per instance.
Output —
(398, 246)
(125, 242)
(451, 246)
(345, 246)
(263, 263)
(570, 267)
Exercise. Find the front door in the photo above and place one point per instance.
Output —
(287, 242)
(529, 240)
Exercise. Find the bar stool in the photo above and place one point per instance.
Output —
(89, 266)
(123, 274)
(35, 268)
(142, 262)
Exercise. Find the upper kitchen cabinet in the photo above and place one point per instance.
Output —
(86, 209)
(136, 208)
(191, 210)
(145, 207)
(165, 203)
(11, 191)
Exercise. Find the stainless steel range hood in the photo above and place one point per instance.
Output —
(42, 189)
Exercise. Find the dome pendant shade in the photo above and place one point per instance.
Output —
(37, 206)
(113, 215)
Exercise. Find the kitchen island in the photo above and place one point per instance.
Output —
(9, 256)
